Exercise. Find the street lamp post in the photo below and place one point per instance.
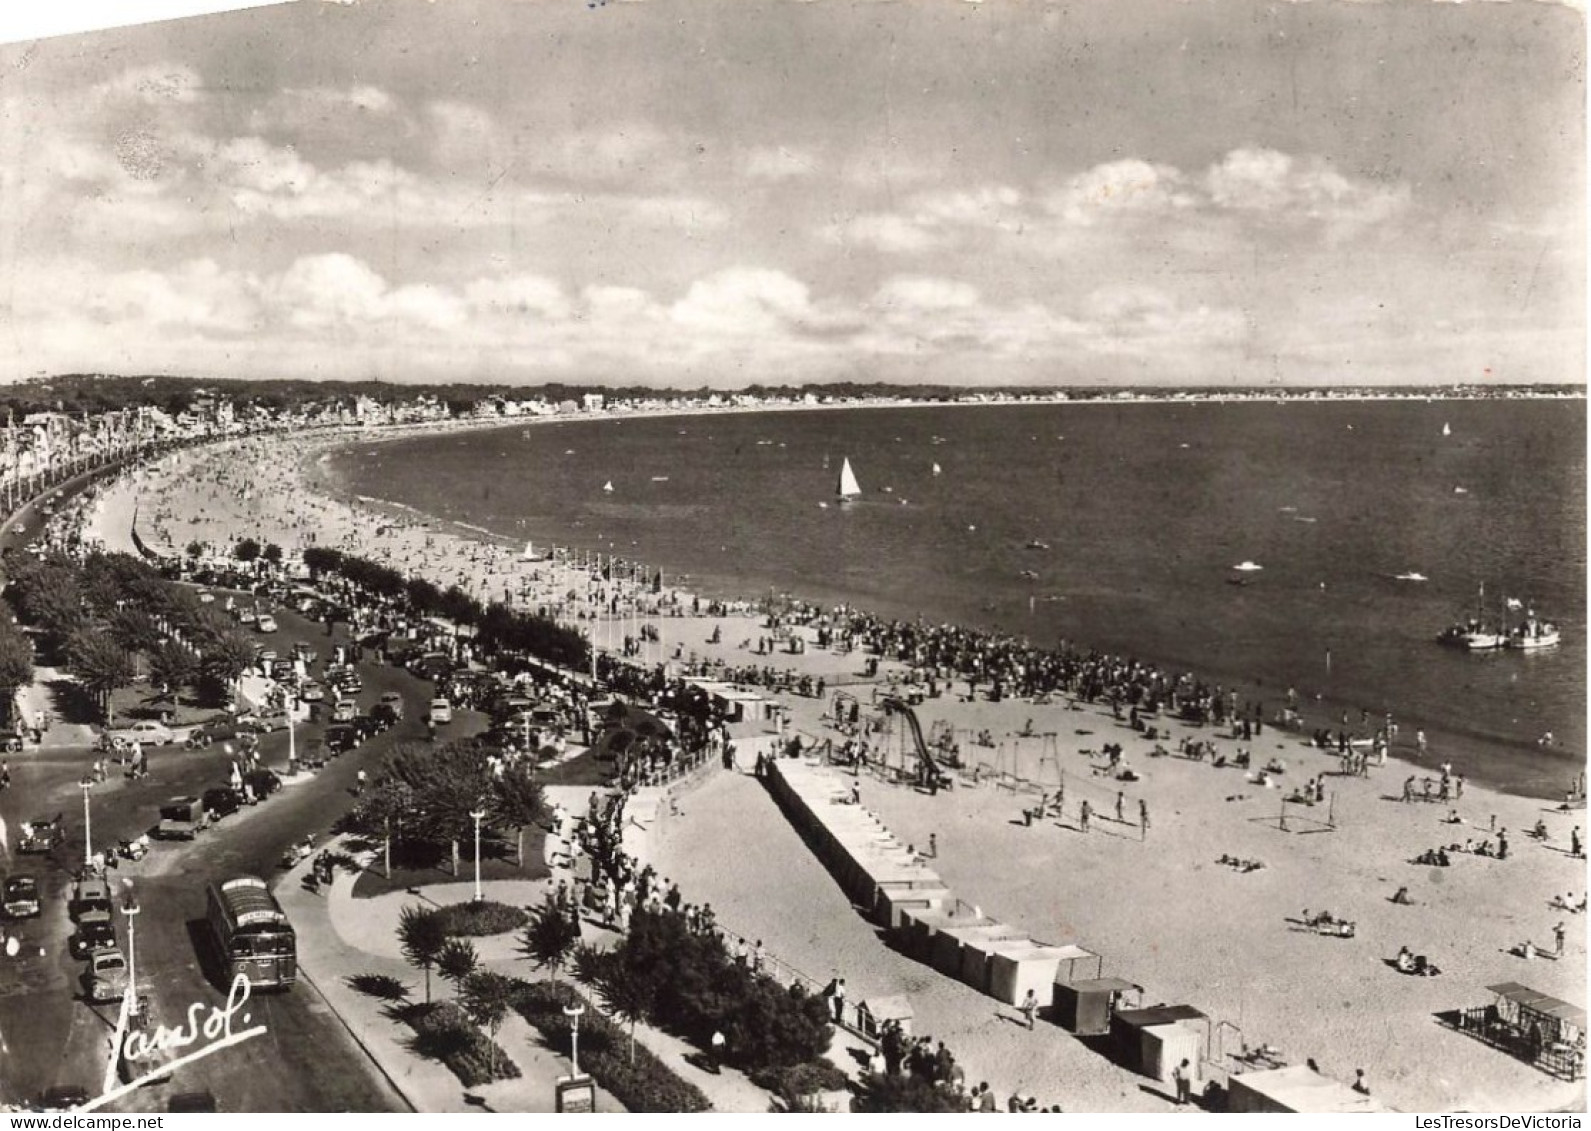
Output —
(87, 784)
(477, 815)
(573, 1012)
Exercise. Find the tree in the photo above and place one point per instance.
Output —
(195, 549)
(486, 998)
(550, 936)
(247, 550)
(227, 657)
(100, 663)
(628, 994)
(16, 665)
(173, 665)
(456, 962)
(422, 937)
(882, 1092)
(273, 553)
(134, 629)
(518, 802)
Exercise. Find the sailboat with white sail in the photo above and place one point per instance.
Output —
(849, 489)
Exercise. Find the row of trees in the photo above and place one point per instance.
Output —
(110, 613)
(425, 792)
(498, 627)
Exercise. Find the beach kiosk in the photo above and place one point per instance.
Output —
(1295, 1088)
(1085, 1008)
(890, 910)
(1542, 1031)
(949, 941)
(876, 1012)
(1154, 1041)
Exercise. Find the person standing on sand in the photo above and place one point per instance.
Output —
(1557, 941)
(1083, 814)
(1030, 1003)
(1179, 1076)
(1120, 801)
(1143, 815)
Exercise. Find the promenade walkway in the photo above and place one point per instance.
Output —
(341, 938)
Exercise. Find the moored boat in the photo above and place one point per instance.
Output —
(848, 489)
(1533, 633)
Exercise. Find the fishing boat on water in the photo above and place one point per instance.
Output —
(848, 489)
(1533, 633)
(1477, 634)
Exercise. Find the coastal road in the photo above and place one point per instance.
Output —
(306, 1061)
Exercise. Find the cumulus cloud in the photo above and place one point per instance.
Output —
(1275, 183)
(1117, 187)
(917, 292)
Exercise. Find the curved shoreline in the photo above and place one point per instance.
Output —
(1490, 757)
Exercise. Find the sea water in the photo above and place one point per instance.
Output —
(1144, 509)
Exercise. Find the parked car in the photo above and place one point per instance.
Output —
(181, 818)
(145, 731)
(266, 624)
(96, 930)
(216, 730)
(21, 897)
(441, 712)
(311, 692)
(105, 978)
(41, 835)
(263, 723)
(245, 615)
(91, 893)
(345, 711)
(391, 706)
(222, 801)
(342, 737)
(62, 1097)
(303, 651)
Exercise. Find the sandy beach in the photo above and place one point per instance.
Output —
(1155, 904)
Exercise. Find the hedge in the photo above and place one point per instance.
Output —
(647, 1085)
(444, 1032)
(473, 920)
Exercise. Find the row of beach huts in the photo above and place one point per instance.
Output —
(926, 921)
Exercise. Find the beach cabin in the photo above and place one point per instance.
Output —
(1013, 971)
(977, 956)
(1085, 1008)
(944, 949)
(1295, 1088)
(919, 926)
(1154, 1041)
(890, 910)
(951, 948)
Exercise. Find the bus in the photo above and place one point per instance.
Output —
(253, 936)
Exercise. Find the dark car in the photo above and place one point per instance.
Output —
(96, 930)
(21, 898)
(62, 1097)
(216, 730)
(42, 835)
(343, 737)
(223, 801)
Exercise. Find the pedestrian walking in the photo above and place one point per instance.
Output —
(839, 1000)
(1180, 1077)
(1557, 938)
(1576, 849)
(1083, 814)
(1120, 801)
(1143, 814)
(716, 1051)
(933, 846)
(1030, 1004)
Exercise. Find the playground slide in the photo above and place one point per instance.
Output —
(900, 707)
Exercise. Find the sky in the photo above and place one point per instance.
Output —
(731, 192)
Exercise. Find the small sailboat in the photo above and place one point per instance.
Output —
(532, 556)
(938, 470)
(1247, 567)
(1446, 431)
(848, 489)
(608, 487)
(1476, 634)
(1411, 576)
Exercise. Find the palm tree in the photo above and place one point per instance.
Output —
(487, 996)
(101, 664)
(549, 937)
(422, 937)
(456, 962)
